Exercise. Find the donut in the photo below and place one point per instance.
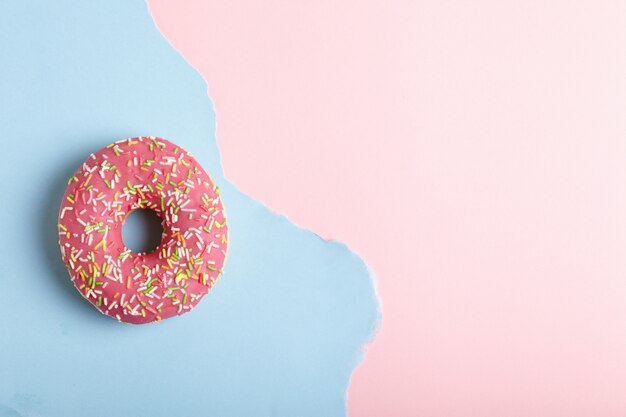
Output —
(132, 174)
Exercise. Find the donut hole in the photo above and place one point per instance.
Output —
(142, 231)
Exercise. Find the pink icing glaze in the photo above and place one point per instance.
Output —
(142, 173)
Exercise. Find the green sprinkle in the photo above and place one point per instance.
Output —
(185, 299)
(99, 301)
(103, 267)
(188, 173)
(89, 187)
(92, 226)
(162, 204)
(190, 216)
(176, 150)
(157, 144)
(212, 268)
(117, 153)
(108, 183)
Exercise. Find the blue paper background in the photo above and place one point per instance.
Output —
(281, 331)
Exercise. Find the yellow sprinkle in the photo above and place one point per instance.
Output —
(102, 243)
(62, 227)
(115, 196)
(87, 180)
(70, 199)
(158, 318)
(73, 257)
(143, 312)
(132, 142)
(185, 163)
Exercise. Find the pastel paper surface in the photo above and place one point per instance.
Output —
(495, 131)
(280, 332)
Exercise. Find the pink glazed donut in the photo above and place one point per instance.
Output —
(142, 173)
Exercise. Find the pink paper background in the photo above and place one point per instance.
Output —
(474, 153)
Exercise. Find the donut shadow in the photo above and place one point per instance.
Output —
(49, 242)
